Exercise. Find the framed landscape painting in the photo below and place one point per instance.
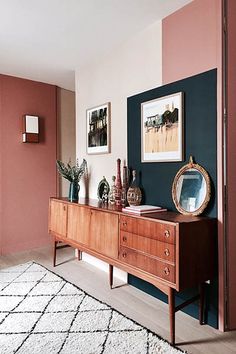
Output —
(98, 129)
(162, 129)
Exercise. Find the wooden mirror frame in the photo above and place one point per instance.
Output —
(208, 188)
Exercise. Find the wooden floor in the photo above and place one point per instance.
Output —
(143, 308)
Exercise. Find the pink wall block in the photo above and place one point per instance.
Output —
(191, 44)
(28, 173)
(190, 41)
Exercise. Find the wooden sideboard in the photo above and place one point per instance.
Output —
(169, 250)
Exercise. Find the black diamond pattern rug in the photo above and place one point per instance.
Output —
(40, 312)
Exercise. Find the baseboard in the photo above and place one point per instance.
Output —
(119, 274)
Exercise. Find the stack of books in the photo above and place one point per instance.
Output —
(143, 209)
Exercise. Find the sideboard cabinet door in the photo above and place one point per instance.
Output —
(78, 224)
(58, 218)
(104, 233)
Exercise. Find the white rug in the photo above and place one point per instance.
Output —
(42, 313)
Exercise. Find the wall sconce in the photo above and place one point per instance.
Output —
(30, 129)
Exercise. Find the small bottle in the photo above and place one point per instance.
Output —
(134, 194)
(118, 185)
(112, 193)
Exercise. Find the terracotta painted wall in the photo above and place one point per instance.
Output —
(65, 133)
(28, 174)
(231, 164)
(191, 44)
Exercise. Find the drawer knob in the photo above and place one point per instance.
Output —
(124, 238)
(167, 233)
(124, 254)
(167, 252)
(124, 223)
(166, 271)
(64, 207)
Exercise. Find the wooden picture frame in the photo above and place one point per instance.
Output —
(98, 123)
(162, 129)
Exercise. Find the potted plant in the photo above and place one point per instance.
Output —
(72, 174)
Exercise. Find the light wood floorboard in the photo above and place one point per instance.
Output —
(139, 306)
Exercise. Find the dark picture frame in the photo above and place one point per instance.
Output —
(98, 122)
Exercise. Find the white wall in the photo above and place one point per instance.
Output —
(132, 68)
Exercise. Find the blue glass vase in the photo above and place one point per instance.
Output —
(74, 191)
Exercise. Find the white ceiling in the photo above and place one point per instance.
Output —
(47, 40)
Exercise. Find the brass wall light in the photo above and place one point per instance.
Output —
(30, 129)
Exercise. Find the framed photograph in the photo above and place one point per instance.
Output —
(162, 129)
(98, 129)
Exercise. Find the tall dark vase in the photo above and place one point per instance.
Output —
(74, 191)
(118, 185)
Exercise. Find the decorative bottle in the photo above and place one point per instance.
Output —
(134, 194)
(112, 193)
(118, 185)
(124, 186)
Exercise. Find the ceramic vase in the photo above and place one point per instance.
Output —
(74, 191)
(134, 194)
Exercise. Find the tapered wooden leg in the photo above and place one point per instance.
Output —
(79, 255)
(171, 302)
(54, 252)
(110, 275)
(201, 303)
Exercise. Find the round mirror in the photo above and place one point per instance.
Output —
(191, 189)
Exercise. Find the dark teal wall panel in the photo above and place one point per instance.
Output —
(200, 135)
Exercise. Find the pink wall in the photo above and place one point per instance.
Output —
(231, 164)
(190, 40)
(191, 44)
(28, 174)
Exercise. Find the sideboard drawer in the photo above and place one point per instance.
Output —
(160, 231)
(149, 246)
(148, 264)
